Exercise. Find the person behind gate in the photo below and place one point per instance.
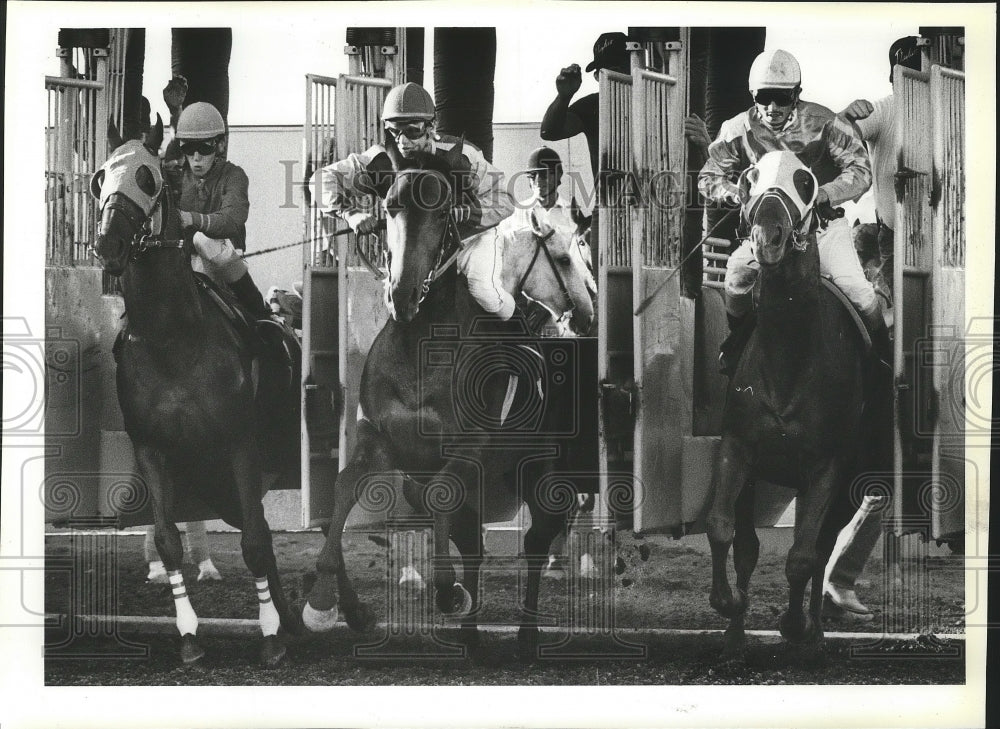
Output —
(408, 116)
(829, 146)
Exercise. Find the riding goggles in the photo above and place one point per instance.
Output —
(781, 97)
(410, 131)
(204, 148)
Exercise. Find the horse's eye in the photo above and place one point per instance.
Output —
(563, 260)
(145, 180)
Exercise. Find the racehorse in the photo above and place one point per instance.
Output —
(410, 413)
(795, 413)
(185, 384)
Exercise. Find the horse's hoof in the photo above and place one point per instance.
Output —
(410, 581)
(728, 605)
(319, 621)
(191, 652)
(735, 646)
(799, 628)
(359, 617)
(272, 651)
(457, 604)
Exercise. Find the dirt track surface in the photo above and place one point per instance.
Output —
(664, 586)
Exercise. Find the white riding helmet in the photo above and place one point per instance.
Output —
(775, 69)
(200, 120)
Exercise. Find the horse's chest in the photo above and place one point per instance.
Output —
(200, 403)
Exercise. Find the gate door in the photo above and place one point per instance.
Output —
(948, 455)
(342, 297)
(929, 288)
(663, 335)
(614, 280)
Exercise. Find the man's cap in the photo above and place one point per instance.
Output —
(542, 159)
(609, 50)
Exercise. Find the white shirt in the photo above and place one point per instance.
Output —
(878, 129)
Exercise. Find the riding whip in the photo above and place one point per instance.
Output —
(649, 299)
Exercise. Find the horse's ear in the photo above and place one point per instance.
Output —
(805, 185)
(96, 182)
(392, 150)
(154, 139)
(114, 137)
(454, 155)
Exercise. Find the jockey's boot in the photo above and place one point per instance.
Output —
(732, 346)
(250, 297)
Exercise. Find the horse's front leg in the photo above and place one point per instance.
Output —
(731, 475)
(369, 470)
(467, 533)
(545, 525)
(153, 469)
(803, 562)
(746, 550)
(452, 492)
(258, 553)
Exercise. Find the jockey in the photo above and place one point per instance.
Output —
(213, 203)
(545, 172)
(826, 144)
(408, 115)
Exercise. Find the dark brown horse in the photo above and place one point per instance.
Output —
(412, 410)
(185, 384)
(795, 411)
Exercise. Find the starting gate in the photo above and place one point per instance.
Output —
(342, 298)
(929, 286)
(646, 365)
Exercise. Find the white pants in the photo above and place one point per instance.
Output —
(837, 260)
(217, 259)
(481, 260)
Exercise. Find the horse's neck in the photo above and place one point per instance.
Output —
(161, 297)
(787, 313)
(159, 289)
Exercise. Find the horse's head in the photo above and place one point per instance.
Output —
(128, 187)
(777, 195)
(419, 225)
(550, 267)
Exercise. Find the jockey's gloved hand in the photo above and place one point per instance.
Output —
(824, 208)
(363, 223)
(461, 213)
(536, 314)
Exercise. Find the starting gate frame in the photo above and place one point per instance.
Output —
(342, 117)
(929, 291)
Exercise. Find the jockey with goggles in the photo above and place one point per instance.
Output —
(408, 116)
(827, 145)
(214, 203)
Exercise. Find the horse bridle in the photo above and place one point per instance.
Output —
(800, 232)
(540, 245)
(144, 239)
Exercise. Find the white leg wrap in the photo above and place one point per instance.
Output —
(409, 575)
(187, 621)
(319, 621)
(269, 620)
